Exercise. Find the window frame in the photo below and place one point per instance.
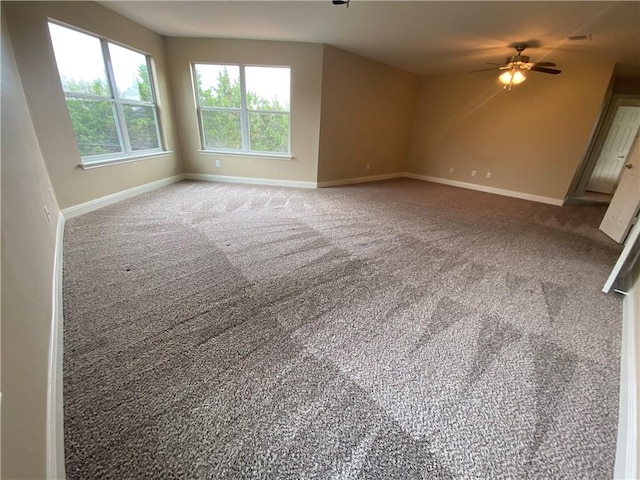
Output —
(244, 112)
(117, 103)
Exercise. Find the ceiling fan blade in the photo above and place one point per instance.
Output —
(552, 71)
(544, 64)
(483, 70)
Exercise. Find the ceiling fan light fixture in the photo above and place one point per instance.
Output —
(512, 78)
(516, 66)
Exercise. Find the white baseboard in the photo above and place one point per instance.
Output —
(249, 180)
(90, 206)
(487, 189)
(355, 180)
(373, 178)
(55, 409)
(626, 466)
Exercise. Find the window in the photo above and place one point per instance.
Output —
(110, 96)
(243, 108)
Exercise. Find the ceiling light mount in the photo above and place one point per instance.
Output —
(518, 57)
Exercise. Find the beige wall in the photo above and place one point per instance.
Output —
(27, 22)
(627, 85)
(347, 112)
(531, 139)
(305, 60)
(28, 242)
(367, 110)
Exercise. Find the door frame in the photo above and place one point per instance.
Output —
(585, 170)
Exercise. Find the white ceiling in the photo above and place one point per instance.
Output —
(424, 37)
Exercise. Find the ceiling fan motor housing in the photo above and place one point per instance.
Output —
(517, 58)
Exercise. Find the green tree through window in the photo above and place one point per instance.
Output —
(259, 122)
(109, 95)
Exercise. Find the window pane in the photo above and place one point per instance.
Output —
(131, 73)
(268, 88)
(221, 129)
(80, 62)
(94, 125)
(218, 85)
(141, 125)
(269, 132)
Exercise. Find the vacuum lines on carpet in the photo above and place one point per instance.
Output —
(390, 330)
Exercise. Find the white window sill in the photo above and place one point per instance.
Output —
(116, 161)
(272, 156)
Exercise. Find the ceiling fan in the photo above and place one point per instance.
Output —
(517, 65)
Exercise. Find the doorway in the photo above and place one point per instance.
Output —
(605, 164)
(613, 154)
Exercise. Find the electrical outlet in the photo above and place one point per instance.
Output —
(368, 166)
(473, 173)
(488, 174)
(451, 170)
(218, 163)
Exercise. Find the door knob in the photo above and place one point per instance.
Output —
(629, 166)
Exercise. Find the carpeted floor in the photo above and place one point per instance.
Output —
(391, 330)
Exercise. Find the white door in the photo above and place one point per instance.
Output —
(625, 203)
(607, 172)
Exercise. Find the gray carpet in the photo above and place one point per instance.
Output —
(392, 330)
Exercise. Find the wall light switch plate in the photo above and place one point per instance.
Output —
(218, 163)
